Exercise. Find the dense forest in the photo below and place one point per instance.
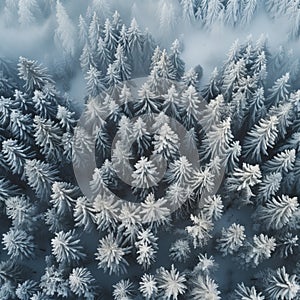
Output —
(156, 180)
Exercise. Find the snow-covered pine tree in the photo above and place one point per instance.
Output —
(34, 75)
(166, 143)
(287, 244)
(269, 186)
(40, 176)
(212, 207)
(180, 171)
(123, 290)
(277, 212)
(83, 31)
(146, 248)
(130, 219)
(106, 212)
(84, 214)
(147, 103)
(188, 10)
(231, 239)
(165, 72)
(155, 212)
(256, 108)
(66, 247)
(200, 230)
(282, 162)
(94, 34)
(204, 288)
(180, 251)
(95, 82)
(189, 105)
(135, 47)
(148, 286)
(167, 18)
(102, 56)
(294, 16)
(279, 92)
(15, 155)
(63, 196)
(110, 37)
(87, 59)
(261, 137)
(212, 89)
(215, 12)
(233, 12)
(282, 285)
(22, 212)
(48, 136)
(218, 140)
(26, 289)
(171, 103)
(260, 250)
(54, 282)
(43, 106)
(141, 136)
(82, 283)
(171, 283)
(29, 12)
(66, 118)
(110, 254)
(18, 244)
(247, 293)
(121, 63)
(65, 33)
(248, 11)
